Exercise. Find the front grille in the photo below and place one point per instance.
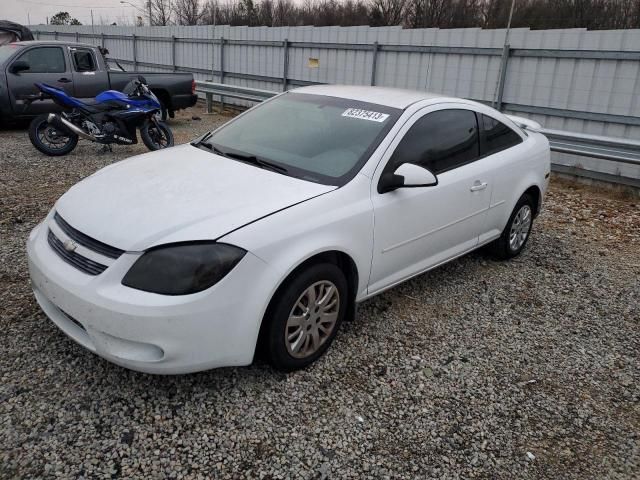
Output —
(86, 241)
(81, 263)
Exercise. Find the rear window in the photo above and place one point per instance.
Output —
(83, 61)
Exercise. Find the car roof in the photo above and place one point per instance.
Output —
(390, 97)
(30, 43)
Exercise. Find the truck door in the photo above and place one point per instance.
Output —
(47, 64)
(88, 78)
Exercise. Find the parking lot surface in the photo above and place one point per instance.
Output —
(479, 369)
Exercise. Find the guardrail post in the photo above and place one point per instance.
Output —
(173, 52)
(374, 62)
(77, 38)
(102, 39)
(56, 36)
(135, 54)
(221, 71)
(506, 51)
(285, 63)
(209, 102)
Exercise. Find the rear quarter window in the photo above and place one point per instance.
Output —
(497, 136)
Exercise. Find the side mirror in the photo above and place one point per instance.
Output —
(407, 175)
(19, 66)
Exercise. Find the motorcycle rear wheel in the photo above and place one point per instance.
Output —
(156, 137)
(48, 139)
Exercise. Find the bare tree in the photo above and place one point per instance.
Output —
(188, 12)
(161, 12)
(387, 12)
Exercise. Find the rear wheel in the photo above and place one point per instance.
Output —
(305, 316)
(516, 234)
(156, 135)
(48, 139)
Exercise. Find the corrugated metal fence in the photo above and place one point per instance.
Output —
(575, 80)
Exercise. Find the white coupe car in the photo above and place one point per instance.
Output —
(264, 234)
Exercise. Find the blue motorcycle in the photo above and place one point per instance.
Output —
(112, 117)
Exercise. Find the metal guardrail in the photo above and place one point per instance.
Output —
(594, 146)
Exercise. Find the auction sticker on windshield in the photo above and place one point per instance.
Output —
(365, 115)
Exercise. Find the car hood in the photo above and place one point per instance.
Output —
(178, 194)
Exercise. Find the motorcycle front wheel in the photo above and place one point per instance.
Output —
(48, 139)
(156, 135)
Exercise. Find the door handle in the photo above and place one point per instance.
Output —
(64, 80)
(477, 186)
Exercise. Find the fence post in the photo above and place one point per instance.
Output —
(135, 54)
(102, 39)
(221, 71)
(285, 64)
(173, 52)
(506, 51)
(374, 62)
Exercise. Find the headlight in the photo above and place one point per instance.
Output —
(180, 269)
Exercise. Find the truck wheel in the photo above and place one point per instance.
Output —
(156, 136)
(48, 139)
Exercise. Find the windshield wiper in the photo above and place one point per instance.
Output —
(243, 157)
(252, 159)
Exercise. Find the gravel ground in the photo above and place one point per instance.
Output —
(523, 369)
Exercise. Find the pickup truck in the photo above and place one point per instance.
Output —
(79, 69)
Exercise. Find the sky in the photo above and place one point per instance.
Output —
(104, 11)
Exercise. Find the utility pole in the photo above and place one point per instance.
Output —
(92, 30)
(28, 19)
(149, 5)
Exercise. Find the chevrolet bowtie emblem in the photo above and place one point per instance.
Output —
(70, 245)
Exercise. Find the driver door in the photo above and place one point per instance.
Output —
(419, 228)
(47, 64)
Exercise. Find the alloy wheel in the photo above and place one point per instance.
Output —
(520, 228)
(312, 319)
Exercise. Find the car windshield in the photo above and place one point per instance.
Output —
(318, 138)
(7, 50)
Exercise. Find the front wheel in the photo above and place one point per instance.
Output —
(48, 139)
(304, 316)
(156, 135)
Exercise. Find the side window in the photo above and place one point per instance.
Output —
(44, 60)
(497, 136)
(83, 60)
(440, 141)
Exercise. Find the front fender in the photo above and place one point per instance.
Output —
(341, 220)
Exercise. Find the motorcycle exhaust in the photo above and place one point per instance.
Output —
(65, 125)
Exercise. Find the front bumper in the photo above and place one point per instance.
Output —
(150, 332)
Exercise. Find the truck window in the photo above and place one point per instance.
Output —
(83, 60)
(44, 60)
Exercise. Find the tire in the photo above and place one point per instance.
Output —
(48, 140)
(155, 139)
(302, 347)
(516, 234)
(163, 114)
